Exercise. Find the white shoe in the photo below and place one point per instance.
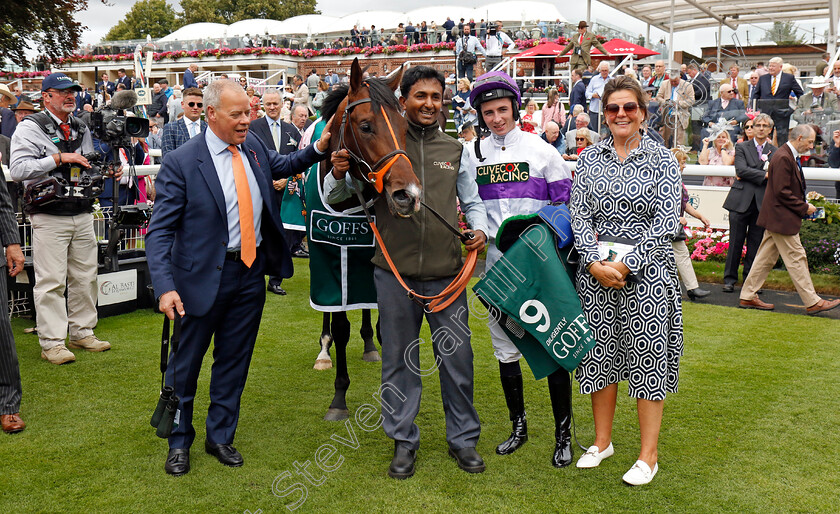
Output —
(640, 473)
(593, 456)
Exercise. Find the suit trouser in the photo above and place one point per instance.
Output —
(10, 388)
(684, 266)
(742, 227)
(465, 70)
(781, 124)
(796, 261)
(233, 323)
(400, 319)
(671, 128)
(490, 61)
(64, 257)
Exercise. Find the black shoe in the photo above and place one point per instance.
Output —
(468, 459)
(225, 453)
(402, 465)
(178, 461)
(301, 254)
(276, 289)
(728, 288)
(512, 386)
(696, 293)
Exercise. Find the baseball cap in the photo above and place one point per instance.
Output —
(59, 81)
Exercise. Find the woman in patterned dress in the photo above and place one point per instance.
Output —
(627, 187)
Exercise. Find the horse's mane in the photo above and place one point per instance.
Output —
(380, 95)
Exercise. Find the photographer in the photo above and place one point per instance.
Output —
(52, 144)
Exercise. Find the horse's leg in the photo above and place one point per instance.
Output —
(370, 355)
(323, 361)
(341, 335)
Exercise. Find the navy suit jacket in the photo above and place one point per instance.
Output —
(777, 104)
(107, 86)
(175, 134)
(735, 109)
(189, 79)
(82, 98)
(125, 80)
(188, 236)
(578, 96)
(289, 135)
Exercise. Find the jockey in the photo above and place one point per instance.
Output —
(517, 173)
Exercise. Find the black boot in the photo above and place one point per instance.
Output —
(560, 389)
(512, 386)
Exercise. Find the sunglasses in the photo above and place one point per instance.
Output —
(749, 126)
(629, 108)
(580, 139)
(195, 104)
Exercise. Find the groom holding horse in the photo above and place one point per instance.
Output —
(427, 256)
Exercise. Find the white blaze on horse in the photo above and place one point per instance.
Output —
(368, 125)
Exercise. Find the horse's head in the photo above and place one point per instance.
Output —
(368, 124)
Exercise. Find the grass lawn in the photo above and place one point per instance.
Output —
(752, 430)
(711, 271)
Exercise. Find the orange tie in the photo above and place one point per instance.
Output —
(773, 86)
(246, 209)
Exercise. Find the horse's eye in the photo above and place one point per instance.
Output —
(366, 128)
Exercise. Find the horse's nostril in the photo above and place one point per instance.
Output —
(402, 197)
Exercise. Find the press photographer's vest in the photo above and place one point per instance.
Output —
(66, 206)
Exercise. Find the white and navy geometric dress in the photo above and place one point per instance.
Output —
(638, 328)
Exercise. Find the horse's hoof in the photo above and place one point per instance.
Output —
(372, 356)
(336, 414)
(322, 364)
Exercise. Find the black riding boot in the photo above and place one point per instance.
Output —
(512, 385)
(560, 389)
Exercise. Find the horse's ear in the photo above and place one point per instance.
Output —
(396, 78)
(355, 75)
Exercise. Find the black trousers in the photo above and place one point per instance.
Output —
(742, 228)
(10, 388)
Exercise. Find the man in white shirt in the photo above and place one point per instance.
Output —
(465, 49)
(594, 91)
(496, 43)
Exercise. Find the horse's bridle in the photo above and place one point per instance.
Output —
(376, 177)
(376, 173)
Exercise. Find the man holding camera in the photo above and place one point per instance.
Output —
(52, 144)
(496, 42)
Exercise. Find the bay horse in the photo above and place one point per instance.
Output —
(368, 124)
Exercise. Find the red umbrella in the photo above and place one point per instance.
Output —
(541, 50)
(623, 48)
(616, 47)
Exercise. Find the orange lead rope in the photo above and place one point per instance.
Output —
(449, 294)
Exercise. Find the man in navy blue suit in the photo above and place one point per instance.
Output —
(773, 95)
(189, 76)
(283, 137)
(82, 98)
(208, 255)
(189, 126)
(123, 79)
(105, 85)
(578, 95)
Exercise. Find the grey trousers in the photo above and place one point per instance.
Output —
(400, 319)
(10, 388)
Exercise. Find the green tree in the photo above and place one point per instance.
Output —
(229, 11)
(49, 26)
(783, 33)
(153, 17)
